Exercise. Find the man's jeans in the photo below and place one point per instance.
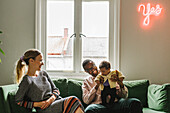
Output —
(130, 105)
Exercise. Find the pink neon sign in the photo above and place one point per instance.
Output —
(149, 11)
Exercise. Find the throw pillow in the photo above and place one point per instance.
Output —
(159, 97)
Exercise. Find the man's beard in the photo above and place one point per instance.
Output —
(95, 74)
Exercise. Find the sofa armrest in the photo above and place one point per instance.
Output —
(4, 90)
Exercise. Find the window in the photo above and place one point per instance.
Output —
(60, 27)
(95, 25)
(70, 31)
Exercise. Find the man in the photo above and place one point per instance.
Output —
(92, 95)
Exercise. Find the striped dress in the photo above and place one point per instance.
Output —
(40, 88)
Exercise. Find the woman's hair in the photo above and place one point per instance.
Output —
(23, 61)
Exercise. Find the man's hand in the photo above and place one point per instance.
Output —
(114, 78)
(97, 86)
(101, 80)
(98, 82)
(120, 82)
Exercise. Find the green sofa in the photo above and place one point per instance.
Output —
(155, 98)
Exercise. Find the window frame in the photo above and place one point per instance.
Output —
(114, 36)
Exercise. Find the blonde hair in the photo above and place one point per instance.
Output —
(23, 61)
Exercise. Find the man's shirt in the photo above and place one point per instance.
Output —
(93, 96)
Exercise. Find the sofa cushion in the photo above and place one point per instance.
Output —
(159, 97)
(13, 105)
(138, 89)
(74, 89)
(62, 85)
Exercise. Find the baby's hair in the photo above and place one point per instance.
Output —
(105, 64)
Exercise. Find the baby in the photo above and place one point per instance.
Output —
(108, 87)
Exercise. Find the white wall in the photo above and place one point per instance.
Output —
(17, 23)
(145, 51)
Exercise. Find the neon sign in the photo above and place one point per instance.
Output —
(149, 11)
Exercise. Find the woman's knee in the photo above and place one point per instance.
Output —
(74, 97)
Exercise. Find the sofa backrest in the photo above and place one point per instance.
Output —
(62, 85)
(68, 87)
(138, 89)
(75, 89)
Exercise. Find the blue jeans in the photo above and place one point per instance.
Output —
(130, 105)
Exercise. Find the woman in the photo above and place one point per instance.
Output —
(37, 90)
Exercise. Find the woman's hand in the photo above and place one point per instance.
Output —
(45, 104)
(48, 102)
(39, 104)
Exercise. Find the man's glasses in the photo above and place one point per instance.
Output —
(91, 69)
